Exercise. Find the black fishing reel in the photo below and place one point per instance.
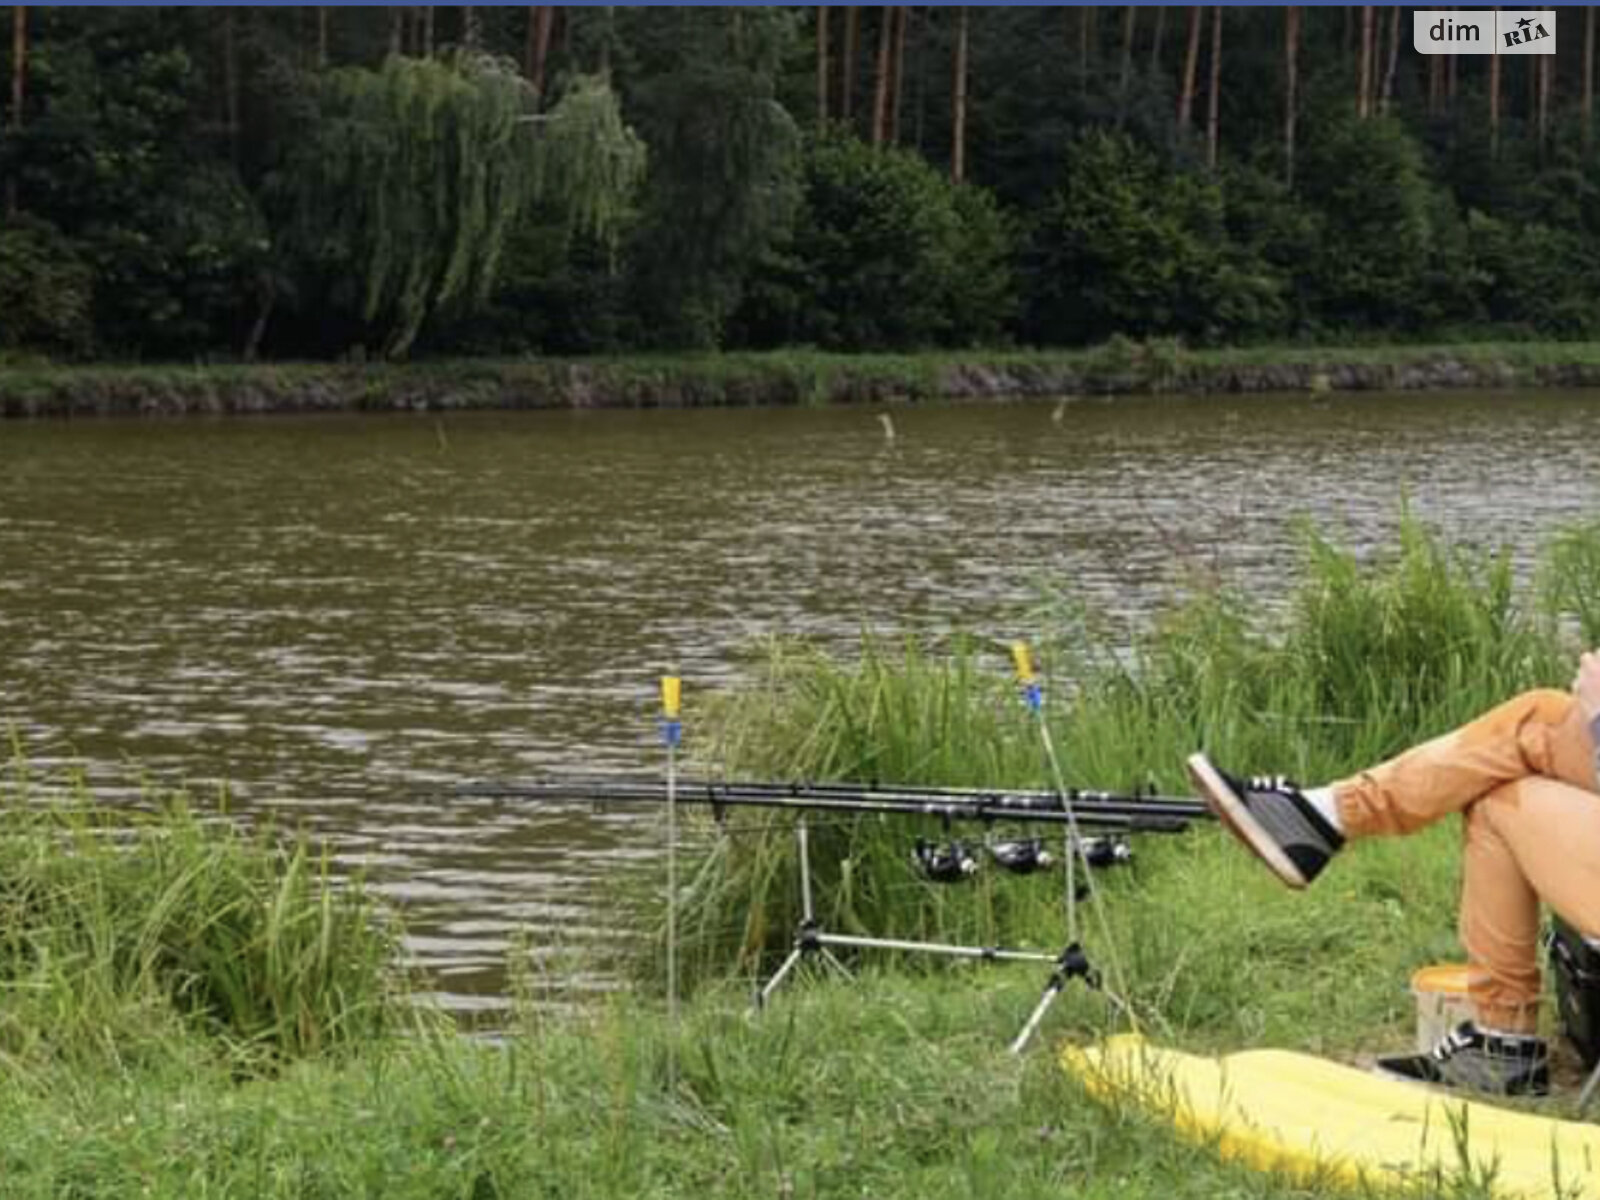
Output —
(1103, 852)
(1021, 856)
(952, 862)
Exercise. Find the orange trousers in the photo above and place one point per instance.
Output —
(1523, 777)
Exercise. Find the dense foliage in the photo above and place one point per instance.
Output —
(328, 182)
(886, 253)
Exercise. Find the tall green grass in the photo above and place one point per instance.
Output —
(888, 1088)
(128, 935)
(1357, 658)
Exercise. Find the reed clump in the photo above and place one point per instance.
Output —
(129, 934)
(1357, 657)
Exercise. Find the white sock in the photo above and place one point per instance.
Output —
(1327, 807)
(1506, 1034)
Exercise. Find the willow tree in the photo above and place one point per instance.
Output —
(419, 170)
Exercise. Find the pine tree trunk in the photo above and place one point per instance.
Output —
(958, 91)
(1213, 100)
(822, 65)
(1155, 46)
(1364, 65)
(322, 37)
(1191, 63)
(1545, 69)
(1394, 59)
(852, 35)
(1291, 86)
(1494, 99)
(471, 28)
(1450, 77)
(541, 20)
(19, 89)
(1435, 83)
(880, 88)
(897, 72)
(1130, 27)
(230, 84)
(427, 30)
(918, 50)
(265, 303)
(1375, 80)
(1085, 33)
(1588, 79)
(1533, 92)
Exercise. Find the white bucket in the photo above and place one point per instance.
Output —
(1442, 1001)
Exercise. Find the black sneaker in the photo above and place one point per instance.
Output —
(1466, 1057)
(1271, 817)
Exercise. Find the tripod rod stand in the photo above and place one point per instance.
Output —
(811, 940)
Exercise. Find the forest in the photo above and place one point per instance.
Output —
(214, 184)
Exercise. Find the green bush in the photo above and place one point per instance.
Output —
(1535, 276)
(886, 254)
(1378, 225)
(46, 290)
(1128, 245)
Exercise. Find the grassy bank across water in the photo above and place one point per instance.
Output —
(895, 1084)
(788, 377)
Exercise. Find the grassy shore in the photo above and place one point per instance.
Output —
(895, 1084)
(780, 377)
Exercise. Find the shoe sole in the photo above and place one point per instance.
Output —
(1461, 1089)
(1231, 811)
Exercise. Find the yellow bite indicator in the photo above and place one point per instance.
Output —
(1023, 660)
(671, 694)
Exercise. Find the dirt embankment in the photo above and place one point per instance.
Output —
(779, 379)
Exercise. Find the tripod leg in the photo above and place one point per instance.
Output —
(829, 958)
(1072, 964)
(779, 975)
(1051, 991)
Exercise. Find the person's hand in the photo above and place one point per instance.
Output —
(1586, 685)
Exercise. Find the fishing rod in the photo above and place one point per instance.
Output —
(1138, 812)
(1071, 811)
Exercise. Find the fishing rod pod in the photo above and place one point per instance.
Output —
(949, 861)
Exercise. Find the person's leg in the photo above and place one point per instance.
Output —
(1539, 733)
(1531, 839)
(1296, 833)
